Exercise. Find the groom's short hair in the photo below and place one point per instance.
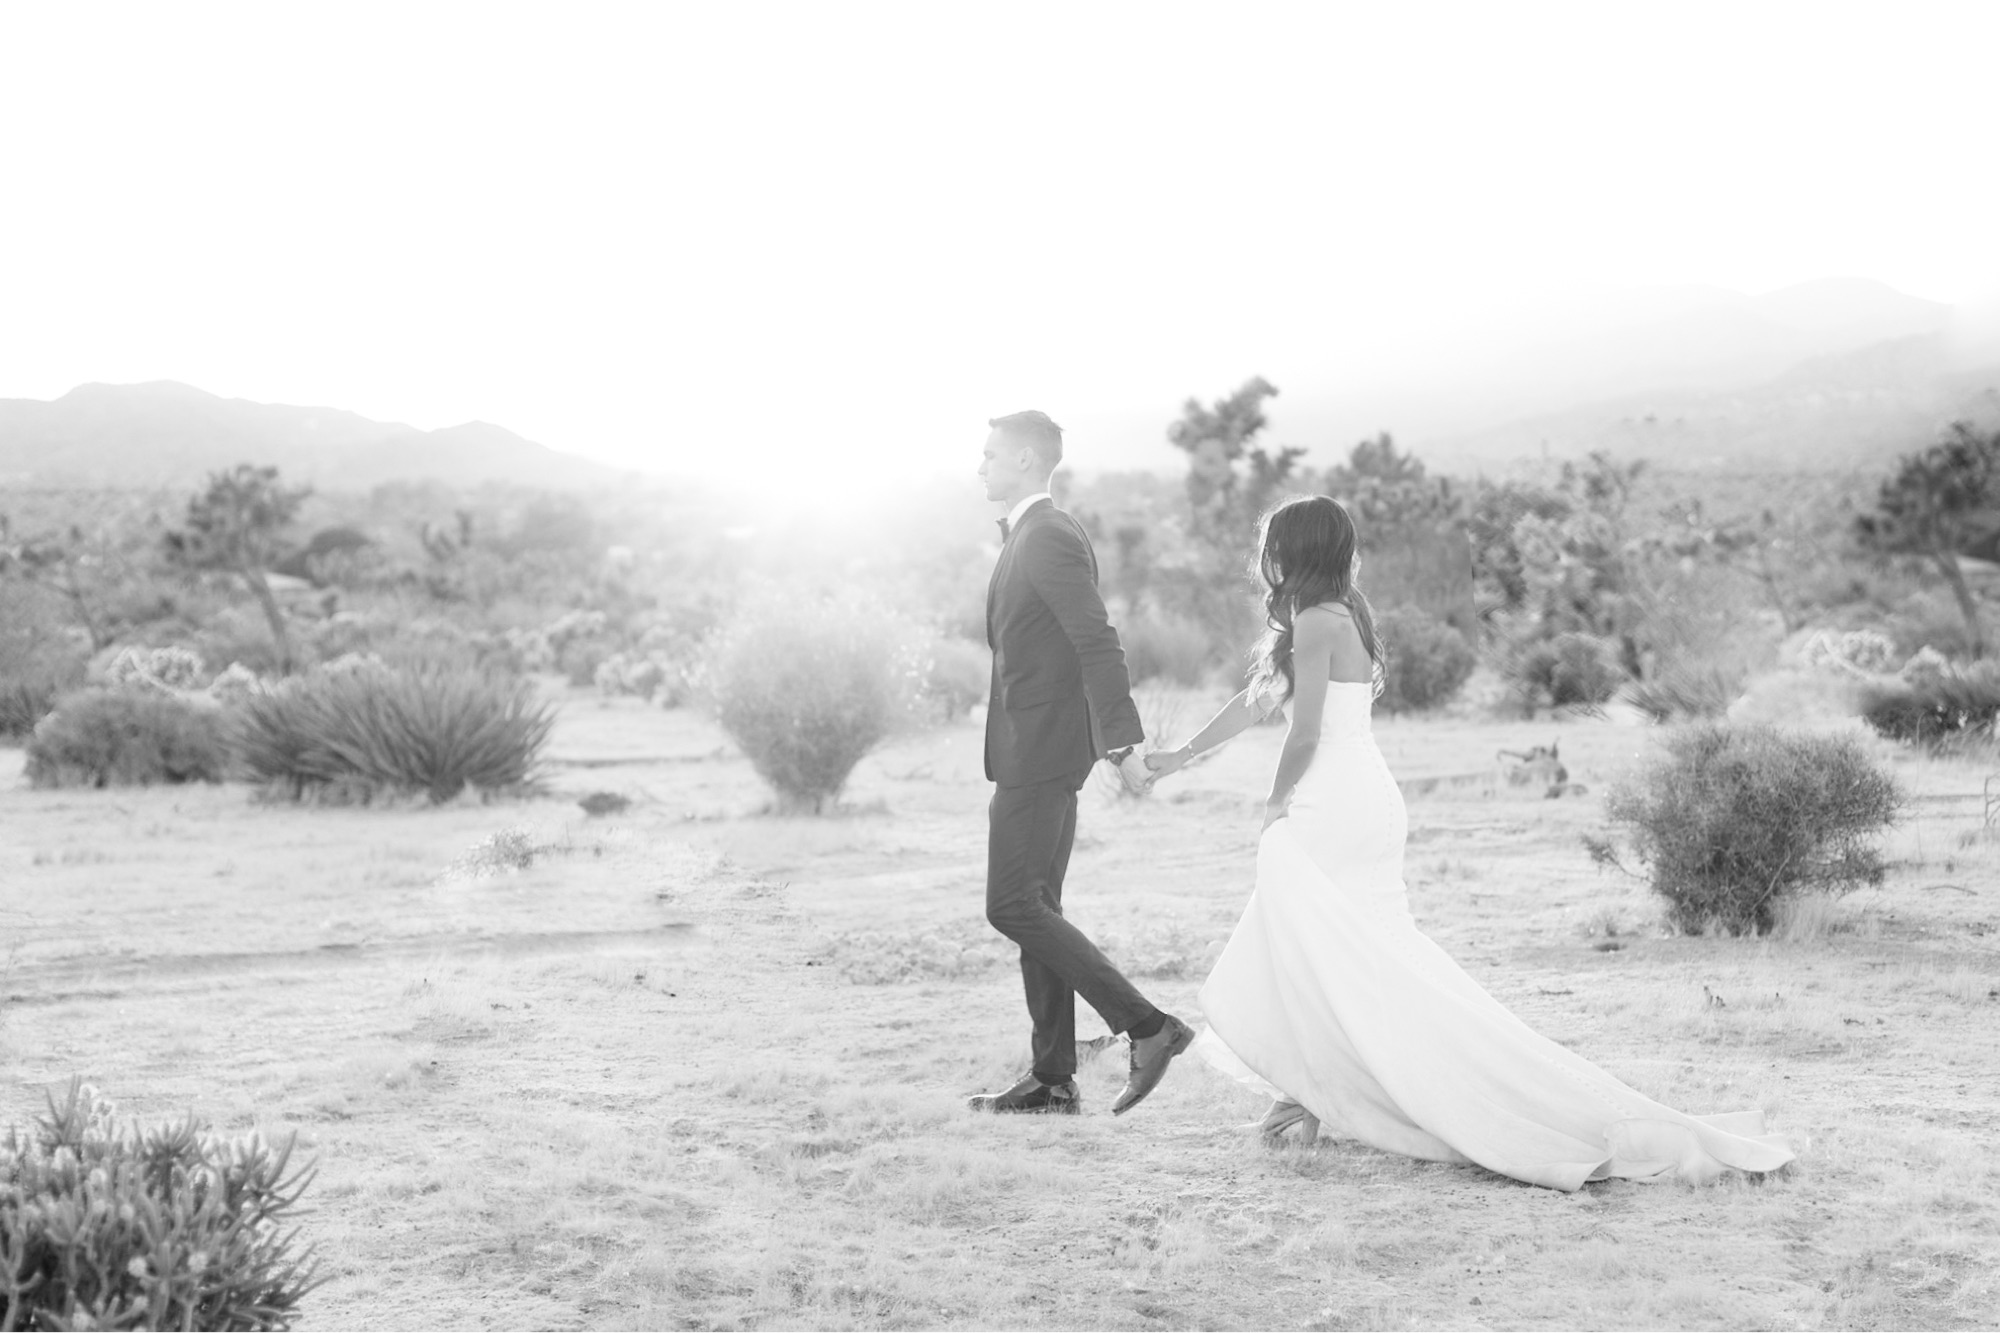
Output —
(1035, 430)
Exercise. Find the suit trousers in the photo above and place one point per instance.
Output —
(1029, 834)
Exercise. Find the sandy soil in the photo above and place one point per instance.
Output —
(697, 1066)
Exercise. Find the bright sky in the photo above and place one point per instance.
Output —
(831, 239)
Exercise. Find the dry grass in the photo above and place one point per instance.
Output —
(702, 1068)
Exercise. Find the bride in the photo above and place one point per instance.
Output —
(1330, 999)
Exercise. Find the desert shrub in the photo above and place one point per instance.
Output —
(1934, 706)
(438, 642)
(577, 642)
(579, 659)
(1569, 669)
(807, 687)
(1918, 616)
(1706, 629)
(342, 633)
(24, 702)
(1423, 564)
(153, 669)
(233, 684)
(358, 726)
(1732, 821)
(1861, 651)
(1926, 664)
(1429, 661)
(1686, 692)
(1794, 696)
(505, 850)
(41, 659)
(29, 696)
(237, 634)
(957, 674)
(526, 649)
(574, 644)
(1166, 647)
(104, 1225)
(128, 738)
(647, 675)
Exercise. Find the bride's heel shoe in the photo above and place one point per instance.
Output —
(1282, 1116)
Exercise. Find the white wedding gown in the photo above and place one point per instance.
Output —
(1329, 994)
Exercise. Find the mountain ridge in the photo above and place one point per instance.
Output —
(1830, 412)
(163, 432)
(1827, 373)
(1834, 372)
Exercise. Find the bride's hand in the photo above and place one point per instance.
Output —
(1163, 762)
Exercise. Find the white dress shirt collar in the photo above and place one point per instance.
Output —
(1014, 514)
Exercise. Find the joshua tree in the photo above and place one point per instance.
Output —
(1939, 503)
(1231, 477)
(238, 524)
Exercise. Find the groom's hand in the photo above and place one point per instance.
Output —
(1133, 771)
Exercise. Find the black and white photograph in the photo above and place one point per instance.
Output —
(880, 665)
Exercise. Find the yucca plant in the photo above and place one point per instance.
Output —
(24, 702)
(1936, 708)
(105, 1225)
(365, 727)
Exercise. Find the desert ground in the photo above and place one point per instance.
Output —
(694, 1065)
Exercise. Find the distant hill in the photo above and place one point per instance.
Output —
(1828, 373)
(1827, 413)
(1695, 338)
(167, 434)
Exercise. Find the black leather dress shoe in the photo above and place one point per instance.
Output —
(1150, 1058)
(1031, 1096)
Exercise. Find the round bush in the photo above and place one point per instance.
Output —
(1428, 661)
(807, 687)
(957, 674)
(128, 738)
(1569, 669)
(235, 634)
(642, 674)
(1731, 821)
(1166, 647)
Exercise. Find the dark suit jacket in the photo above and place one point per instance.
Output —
(1061, 696)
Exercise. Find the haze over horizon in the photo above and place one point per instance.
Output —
(834, 242)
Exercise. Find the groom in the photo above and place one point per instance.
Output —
(1061, 701)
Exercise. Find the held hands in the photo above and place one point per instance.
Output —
(1163, 762)
(1135, 772)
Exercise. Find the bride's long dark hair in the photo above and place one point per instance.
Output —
(1305, 556)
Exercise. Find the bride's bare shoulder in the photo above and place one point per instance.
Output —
(1326, 615)
(1319, 630)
